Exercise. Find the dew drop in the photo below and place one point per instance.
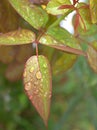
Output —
(28, 86)
(44, 65)
(31, 69)
(38, 75)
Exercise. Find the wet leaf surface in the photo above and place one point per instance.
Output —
(33, 14)
(18, 37)
(61, 39)
(37, 83)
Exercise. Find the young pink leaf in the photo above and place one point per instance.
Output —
(66, 7)
(37, 83)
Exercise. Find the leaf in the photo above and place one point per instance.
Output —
(18, 37)
(85, 18)
(93, 10)
(53, 6)
(63, 63)
(33, 14)
(61, 39)
(92, 56)
(37, 83)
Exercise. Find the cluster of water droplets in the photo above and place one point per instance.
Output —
(35, 81)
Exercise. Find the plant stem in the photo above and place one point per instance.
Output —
(60, 19)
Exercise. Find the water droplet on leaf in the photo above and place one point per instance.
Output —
(31, 69)
(28, 86)
(38, 75)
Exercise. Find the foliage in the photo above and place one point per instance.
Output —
(29, 21)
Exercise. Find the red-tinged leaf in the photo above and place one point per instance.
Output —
(85, 17)
(75, 1)
(61, 39)
(66, 7)
(92, 56)
(76, 23)
(37, 83)
(34, 15)
(18, 37)
(53, 5)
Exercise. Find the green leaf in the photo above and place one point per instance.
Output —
(61, 39)
(85, 20)
(53, 6)
(93, 10)
(18, 37)
(63, 63)
(33, 14)
(92, 56)
(37, 82)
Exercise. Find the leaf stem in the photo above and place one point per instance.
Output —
(60, 19)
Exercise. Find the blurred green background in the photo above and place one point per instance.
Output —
(74, 102)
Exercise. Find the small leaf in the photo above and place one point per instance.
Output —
(33, 14)
(92, 56)
(37, 82)
(18, 37)
(63, 63)
(61, 39)
(53, 6)
(93, 10)
(85, 17)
